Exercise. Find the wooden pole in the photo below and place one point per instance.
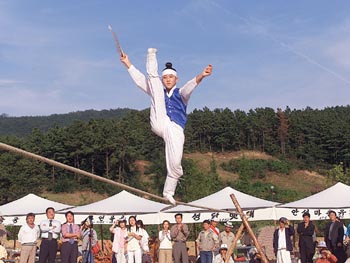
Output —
(234, 243)
(26, 154)
(249, 229)
(101, 229)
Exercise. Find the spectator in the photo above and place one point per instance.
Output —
(333, 237)
(179, 233)
(134, 239)
(306, 230)
(119, 241)
(221, 257)
(89, 236)
(50, 230)
(282, 244)
(325, 255)
(28, 236)
(227, 237)
(70, 237)
(165, 246)
(207, 242)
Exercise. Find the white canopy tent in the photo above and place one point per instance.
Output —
(256, 208)
(333, 198)
(123, 203)
(14, 212)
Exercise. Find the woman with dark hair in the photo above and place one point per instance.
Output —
(165, 246)
(135, 234)
(146, 257)
(70, 234)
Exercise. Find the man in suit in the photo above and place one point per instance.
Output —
(333, 237)
(306, 230)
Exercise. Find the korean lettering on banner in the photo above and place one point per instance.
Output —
(233, 216)
(101, 219)
(250, 213)
(15, 220)
(111, 219)
(295, 212)
(317, 212)
(196, 216)
(214, 215)
(341, 213)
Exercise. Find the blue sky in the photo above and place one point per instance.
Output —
(59, 57)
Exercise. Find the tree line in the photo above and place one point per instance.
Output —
(109, 147)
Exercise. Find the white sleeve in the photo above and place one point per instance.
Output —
(44, 227)
(139, 79)
(187, 90)
(160, 236)
(37, 232)
(20, 234)
(57, 229)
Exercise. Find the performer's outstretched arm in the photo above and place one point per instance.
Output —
(139, 79)
(188, 88)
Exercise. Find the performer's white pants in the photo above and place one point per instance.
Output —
(172, 133)
(283, 256)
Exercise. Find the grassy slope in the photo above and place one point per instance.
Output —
(303, 181)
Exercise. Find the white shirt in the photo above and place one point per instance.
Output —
(165, 240)
(144, 241)
(45, 227)
(218, 259)
(141, 81)
(27, 234)
(133, 243)
(282, 238)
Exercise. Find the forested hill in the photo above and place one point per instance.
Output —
(22, 126)
(307, 139)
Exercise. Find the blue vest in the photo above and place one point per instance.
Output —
(176, 108)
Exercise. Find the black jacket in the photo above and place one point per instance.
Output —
(306, 235)
(289, 232)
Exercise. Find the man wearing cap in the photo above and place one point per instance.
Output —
(325, 255)
(306, 230)
(168, 111)
(334, 235)
(226, 237)
(221, 257)
(282, 243)
(119, 242)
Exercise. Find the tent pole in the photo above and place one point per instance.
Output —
(195, 242)
(249, 229)
(101, 229)
(14, 237)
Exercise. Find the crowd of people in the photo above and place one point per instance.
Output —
(131, 241)
(334, 247)
(50, 231)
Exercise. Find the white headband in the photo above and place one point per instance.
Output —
(169, 71)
